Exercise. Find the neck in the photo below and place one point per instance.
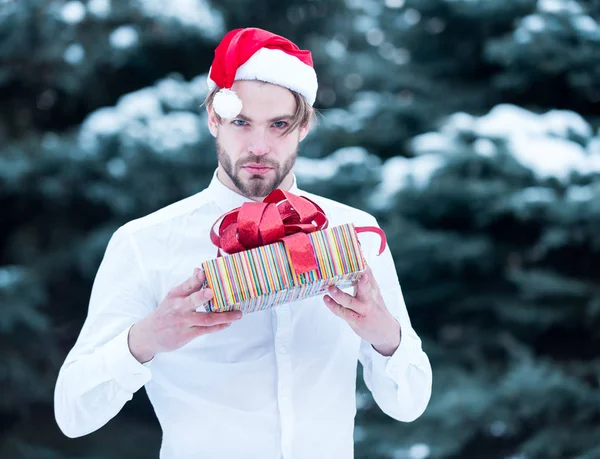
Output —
(285, 185)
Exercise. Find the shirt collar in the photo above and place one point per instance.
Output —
(228, 199)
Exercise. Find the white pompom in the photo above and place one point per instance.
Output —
(227, 104)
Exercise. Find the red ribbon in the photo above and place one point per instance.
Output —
(282, 216)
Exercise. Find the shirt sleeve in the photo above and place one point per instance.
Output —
(100, 374)
(400, 383)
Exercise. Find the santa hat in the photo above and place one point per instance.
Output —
(256, 54)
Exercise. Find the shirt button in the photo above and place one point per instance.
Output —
(284, 399)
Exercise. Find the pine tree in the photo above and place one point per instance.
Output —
(495, 248)
(491, 224)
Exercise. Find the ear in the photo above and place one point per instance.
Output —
(304, 131)
(213, 122)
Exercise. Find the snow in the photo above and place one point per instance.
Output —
(190, 13)
(361, 109)
(335, 49)
(533, 23)
(312, 170)
(364, 23)
(558, 6)
(174, 131)
(412, 16)
(395, 3)
(74, 54)
(506, 120)
(176, 94)
(485, 147)
(143, 103)
(99, 8)
(73, 12)
(593, 147)
(419, 451)
(550, 144)
(522, 36)
(551, 157)
(375, 36)
(459, 122)
(104, 122)
(535, 194)
(123, 37)
(431, 142)
(399, 172)
(584, 193)
(585, 23)
(498, 428)
(563, 122)
(10, 276)
(117, 167)
(550, 6)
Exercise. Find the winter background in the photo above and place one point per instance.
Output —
(469, 128)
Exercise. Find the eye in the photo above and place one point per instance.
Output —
(239, 123)
(280, 124)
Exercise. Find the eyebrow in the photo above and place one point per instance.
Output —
(277, 118)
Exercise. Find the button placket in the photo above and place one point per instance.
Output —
(284, 373)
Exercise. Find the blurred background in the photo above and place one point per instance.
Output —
(469, 128)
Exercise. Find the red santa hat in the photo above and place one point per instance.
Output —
(256, 54)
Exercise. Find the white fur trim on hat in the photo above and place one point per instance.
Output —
(278, 67)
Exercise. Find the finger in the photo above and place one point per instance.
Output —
(190, 285)
(347, 314)
(199, 331)
(215, 318)
(200, 298)
(345, 300)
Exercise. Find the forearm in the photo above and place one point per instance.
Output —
(400, 384)
(92, 387)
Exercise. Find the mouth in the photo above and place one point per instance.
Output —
(257, 169)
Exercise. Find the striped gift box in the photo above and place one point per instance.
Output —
(264, 277)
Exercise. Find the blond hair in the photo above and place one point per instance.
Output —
(301, 117)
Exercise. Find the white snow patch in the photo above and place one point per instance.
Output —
(99, 8)
(124, 37)
(143, 103)
(533, 23)
(74, 54)
(73, 12)
(551, 157)
(312, 170)
(104, 122)
(190, 13)
(174, 131)
(400, 172)
(584, 193)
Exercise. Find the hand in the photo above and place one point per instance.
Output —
(175, 321)
(366, 313)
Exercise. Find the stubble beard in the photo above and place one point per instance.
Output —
(257, 186)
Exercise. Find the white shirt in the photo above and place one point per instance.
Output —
(279, 383)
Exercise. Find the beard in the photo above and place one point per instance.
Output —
(256, 186)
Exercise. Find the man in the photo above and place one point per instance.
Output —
(278, 383)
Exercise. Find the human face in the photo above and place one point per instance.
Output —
(254, 155)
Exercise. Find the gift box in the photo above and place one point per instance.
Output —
(279, 251)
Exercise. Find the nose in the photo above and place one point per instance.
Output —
(259, 144)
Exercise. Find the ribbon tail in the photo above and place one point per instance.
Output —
(374, 229)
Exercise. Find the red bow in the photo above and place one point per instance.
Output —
(282, 216)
